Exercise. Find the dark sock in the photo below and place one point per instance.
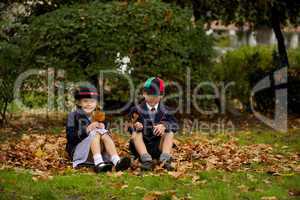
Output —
(164, 157)
(146, 157)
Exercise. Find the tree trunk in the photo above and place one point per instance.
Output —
(275, 22)
(196, 9)
(3, 120)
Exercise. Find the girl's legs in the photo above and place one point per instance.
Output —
(110, 148)
(96, 150)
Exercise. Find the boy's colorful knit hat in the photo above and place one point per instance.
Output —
(86, 92)
(154, 86)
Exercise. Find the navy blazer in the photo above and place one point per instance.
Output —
(76, 129)
(162, 115)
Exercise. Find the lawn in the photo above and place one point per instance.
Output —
(202, 185)
(248, 164)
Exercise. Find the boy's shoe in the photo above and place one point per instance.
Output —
(167, 165)
(123, 164)
(147, 166)
(103, 167)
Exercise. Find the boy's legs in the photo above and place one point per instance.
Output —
(139, 144)
(140, 147)
(165, 147)
(166, 143)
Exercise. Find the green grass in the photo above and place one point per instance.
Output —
(210, 185)
(281, 141)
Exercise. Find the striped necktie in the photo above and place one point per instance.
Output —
(152, 114)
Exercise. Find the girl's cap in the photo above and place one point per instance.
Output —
(86, 92)
(154, 86)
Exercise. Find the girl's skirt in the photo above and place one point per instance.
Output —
(82, 154)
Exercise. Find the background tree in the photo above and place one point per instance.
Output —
(83, 39)
(273, 13)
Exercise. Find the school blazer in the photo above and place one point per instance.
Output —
(162, 115)
(76, 129)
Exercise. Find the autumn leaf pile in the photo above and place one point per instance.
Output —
(203, 154)
(47, 153)
(43, 152)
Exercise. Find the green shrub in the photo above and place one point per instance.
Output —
(294, 58)
(82, 39)
(33, 99)
(246, 66)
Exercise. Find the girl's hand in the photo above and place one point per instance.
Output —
(101, 125)
(94, 125)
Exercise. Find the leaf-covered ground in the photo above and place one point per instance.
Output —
(46, 152)
(249, 164)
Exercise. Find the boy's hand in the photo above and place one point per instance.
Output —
(94, 125)
(138, 126)
(159, 129)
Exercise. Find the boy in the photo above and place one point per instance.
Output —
(153, 127)
(86, 139)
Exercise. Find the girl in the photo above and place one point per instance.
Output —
(89, 142)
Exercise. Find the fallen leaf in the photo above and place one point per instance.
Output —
(39, 153)
(124, 186)
(269, 198)
(176, 174)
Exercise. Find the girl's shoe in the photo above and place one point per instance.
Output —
(103, 167)
(123, 164)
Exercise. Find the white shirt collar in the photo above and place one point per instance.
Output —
(149, 107)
